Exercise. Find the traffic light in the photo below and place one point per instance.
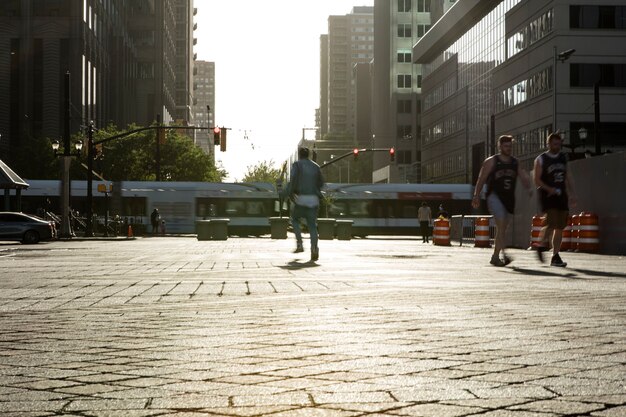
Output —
(216, 135)
(355, 153)
(392, 154)
(223, 140)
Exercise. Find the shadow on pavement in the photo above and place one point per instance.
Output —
(599, 273)
(295, 264)
(546, 273)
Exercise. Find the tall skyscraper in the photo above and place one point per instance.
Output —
(204, 83)
(397, 85)
(185, 42)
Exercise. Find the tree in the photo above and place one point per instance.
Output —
(263, 172)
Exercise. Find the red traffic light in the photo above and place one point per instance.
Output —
(216, 135)
(392, 154)
(355, 153)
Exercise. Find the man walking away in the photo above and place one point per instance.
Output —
(305, 189)
(556, 194)
(500, 172)
(424, 215)
(155, 218)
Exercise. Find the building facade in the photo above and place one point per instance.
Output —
(120, 55)
(185, 42)
(204, 107)
(525, 68)
(397, 83)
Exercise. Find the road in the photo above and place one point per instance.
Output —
(172, 326)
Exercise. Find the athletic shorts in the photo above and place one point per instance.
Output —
(556, 219)
(496, 208)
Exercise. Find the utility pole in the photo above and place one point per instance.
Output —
(66, 230)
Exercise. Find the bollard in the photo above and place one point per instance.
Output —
(535, 231)
(441, 232)
(481, 233)
(588, 233)
(130, 231)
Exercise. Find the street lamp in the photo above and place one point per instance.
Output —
(67, 154)
(561, 56)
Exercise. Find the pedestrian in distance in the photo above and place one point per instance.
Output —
(443, 213)
(424, 215)
(155, 218)
(500, 173)
(556, 193)
(305, 190)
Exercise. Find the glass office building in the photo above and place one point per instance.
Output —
(515, 67)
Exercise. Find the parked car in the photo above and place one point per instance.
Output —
(25, 227)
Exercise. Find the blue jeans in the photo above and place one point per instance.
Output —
(310, 215)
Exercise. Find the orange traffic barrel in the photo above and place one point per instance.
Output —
(441, 232)
(535, 232)
(567, 242)
(588, 233)
(481, 233)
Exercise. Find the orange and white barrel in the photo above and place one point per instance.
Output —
(481, 233)
(441, 232)
(535, 232)
(566, 242)
(588, 233)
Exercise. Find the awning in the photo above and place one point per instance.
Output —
(9, 179)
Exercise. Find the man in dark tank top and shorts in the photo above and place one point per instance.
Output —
(556, 194)
(500, 173)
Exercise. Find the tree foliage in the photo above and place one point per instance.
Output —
(265, 171)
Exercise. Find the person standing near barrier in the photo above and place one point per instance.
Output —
(500, 173)
(425, 216)
(556, 195)
(305, 190)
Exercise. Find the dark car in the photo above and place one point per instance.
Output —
(25, 227)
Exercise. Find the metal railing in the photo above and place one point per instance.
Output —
(462, 228)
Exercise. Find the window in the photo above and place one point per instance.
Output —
(597, 17)
(404, 30)
(608, 75)
(404, 5)
(422, 29)
(404, 132)
(404, 81)
(423, 6)
(404, 56)
(404, 157)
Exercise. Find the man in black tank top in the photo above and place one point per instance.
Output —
(556, 194)
(500, 173)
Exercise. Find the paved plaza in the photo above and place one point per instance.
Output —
(172, 326)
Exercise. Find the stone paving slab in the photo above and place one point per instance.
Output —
(377, 327)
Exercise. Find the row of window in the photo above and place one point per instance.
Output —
(455, 122)
(537, 84)
(442, 92)
(606, 75)
(423, 6)
(405, 30)
(531, 33)
(451, 163)
(405, 81)
(597, 17)
(532, 142)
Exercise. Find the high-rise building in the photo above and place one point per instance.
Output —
(397, 83)
(524, 68)
(185, 42)
(204, 107)
(350, 41)
(121, 56)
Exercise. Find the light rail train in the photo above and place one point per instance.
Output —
(375, 209)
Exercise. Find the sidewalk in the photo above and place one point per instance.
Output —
(380, 327)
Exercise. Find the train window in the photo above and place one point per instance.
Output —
(409, 210)
(235, 208)
(359, 208)
(338, 208)
(254, 208)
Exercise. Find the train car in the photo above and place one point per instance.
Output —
(391, 209)
(375, 209)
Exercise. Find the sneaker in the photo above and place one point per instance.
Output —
(557, 261)
(315, 254)
(507, 259)
(299, 248)
(540, 250)
(495, 261)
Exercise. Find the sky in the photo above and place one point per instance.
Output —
(267, 73)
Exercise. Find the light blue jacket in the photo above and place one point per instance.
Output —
(305, 179)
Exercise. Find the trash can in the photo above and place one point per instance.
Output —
(203, 229)
(278, 227)
(344, 229)
(219, 229)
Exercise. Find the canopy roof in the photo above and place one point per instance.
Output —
(9, 179)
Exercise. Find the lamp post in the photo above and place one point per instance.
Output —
(66, 230)
(90, 157)
(561, 56)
